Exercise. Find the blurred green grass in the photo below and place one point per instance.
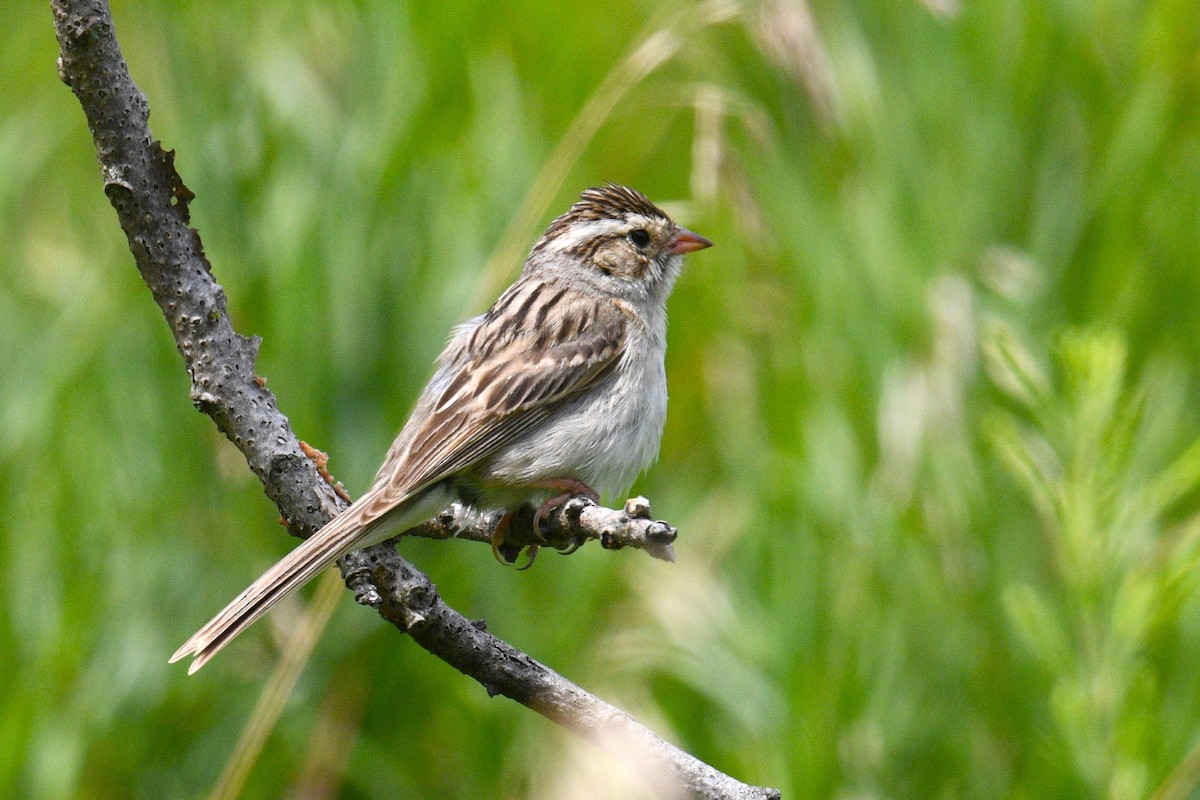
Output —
(931, 438)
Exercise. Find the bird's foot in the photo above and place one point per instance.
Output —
(507, 553)
(568, 488)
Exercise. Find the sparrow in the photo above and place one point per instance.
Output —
(558, 390)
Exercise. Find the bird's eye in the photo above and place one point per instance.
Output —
(639, 237)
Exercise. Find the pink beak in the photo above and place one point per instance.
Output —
(684, 241)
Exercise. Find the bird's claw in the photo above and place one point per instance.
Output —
(501, 549)
(571, 546)
(531, 552)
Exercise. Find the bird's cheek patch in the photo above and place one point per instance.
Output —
(613, 262)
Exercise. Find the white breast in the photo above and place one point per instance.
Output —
(609, 434)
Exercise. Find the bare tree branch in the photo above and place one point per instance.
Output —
(152, 205)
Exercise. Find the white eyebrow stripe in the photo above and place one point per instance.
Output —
(579, 233)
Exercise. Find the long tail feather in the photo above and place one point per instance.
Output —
(340, 536)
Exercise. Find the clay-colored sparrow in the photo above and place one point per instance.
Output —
(558, 390)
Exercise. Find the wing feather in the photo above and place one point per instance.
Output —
(501, 376)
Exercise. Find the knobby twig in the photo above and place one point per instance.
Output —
(577, 521)
(152, 205)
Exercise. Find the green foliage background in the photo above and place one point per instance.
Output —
(932, 445)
